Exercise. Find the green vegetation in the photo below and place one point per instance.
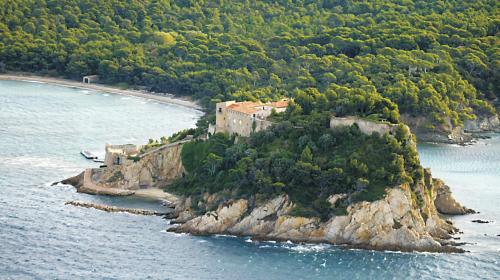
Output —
(309, 162)
(134, 158)
(433, 58)
(375, 59)
(180, 135)
(152, 143)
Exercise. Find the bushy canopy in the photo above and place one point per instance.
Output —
(429, 57)
(309, 162)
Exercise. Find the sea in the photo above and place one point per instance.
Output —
(44, 127)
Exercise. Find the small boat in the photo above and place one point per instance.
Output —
(98, 160)
(88, 155)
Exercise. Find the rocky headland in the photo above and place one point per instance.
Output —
(406, 219)
(142, 175)
(400, 221)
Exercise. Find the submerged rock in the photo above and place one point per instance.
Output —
(108, 208)
(481, 221)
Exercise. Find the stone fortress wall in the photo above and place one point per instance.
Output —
(365, 126)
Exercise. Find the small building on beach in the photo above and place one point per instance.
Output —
(90, 79)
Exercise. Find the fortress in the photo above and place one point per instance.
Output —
(118, 154)
(366, 126)
(243, 118)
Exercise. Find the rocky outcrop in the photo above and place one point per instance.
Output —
(482, 124)
(153, 169)
(218, 221)
(446, 204)
(85, 183)
(396, 222)
(446, 132)
(427, 131)
(389, 223)
(262, 219)
(76, 181)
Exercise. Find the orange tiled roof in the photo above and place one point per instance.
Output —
(280, 104)
(249, 107)
(246, 107)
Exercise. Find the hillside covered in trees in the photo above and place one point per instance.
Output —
(432, 58)
(305, 159)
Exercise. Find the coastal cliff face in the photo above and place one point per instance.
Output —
(491, 123)
(446, 132)
(152, 169)
(404, 220)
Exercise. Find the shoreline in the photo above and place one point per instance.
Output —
(166, 98)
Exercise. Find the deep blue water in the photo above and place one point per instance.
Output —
(42, 130)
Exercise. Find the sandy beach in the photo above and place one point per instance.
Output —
(154, 193)
(163, 98)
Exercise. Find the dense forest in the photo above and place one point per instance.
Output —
(433, 58)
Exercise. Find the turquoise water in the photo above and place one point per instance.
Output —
(42, 130)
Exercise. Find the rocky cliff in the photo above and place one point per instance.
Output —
(482, 124)
(152, 169)
(406, 220)
(447, 132)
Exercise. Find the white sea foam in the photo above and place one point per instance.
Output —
(39, 162)
(176, 234)
(302, 248)
(225, 235)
